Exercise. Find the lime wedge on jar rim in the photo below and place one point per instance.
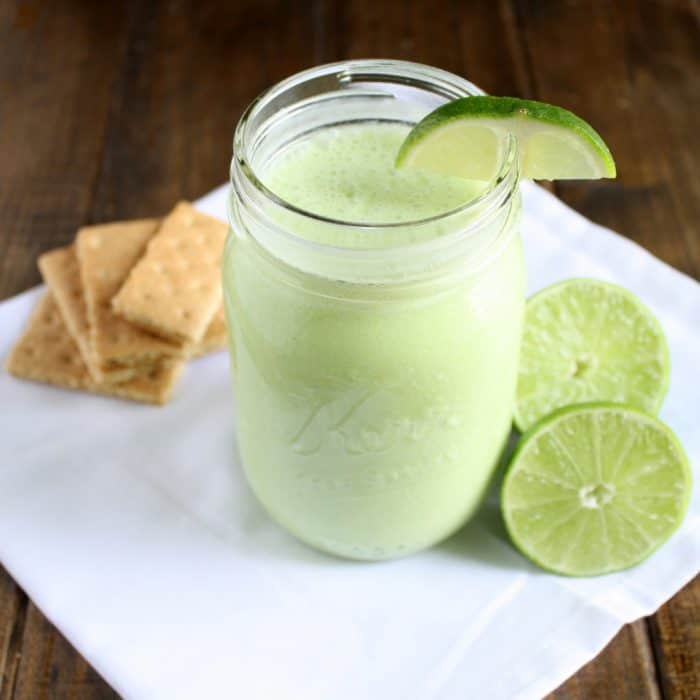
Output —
(595, 488)
(466, 138)
(587, 340)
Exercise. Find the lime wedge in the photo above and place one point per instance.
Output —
(595, 488)
(467, 138)
(587, 340)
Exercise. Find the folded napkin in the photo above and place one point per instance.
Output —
(133, 530)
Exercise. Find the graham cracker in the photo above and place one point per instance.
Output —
(47, 353)
(215, 337)
(175, 289)
(61, 272)
(106, 253)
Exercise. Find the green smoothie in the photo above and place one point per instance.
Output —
(370, 416)
(347, 173)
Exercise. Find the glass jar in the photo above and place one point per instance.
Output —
(374, 366)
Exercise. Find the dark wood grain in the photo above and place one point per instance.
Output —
(190, 70)
(624, 670)
(111, 110)
(675, 632)
(60, 64)
(13, 605)
(637, 82)
(50, 669)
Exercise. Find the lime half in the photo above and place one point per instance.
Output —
(467, 138)
(587, 340)
(595, 488)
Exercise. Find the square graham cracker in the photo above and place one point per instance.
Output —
(215, 338)
(175, 289)
(106, 253)
(47, 353)
(61, 272)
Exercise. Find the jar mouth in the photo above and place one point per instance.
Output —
(386, 74)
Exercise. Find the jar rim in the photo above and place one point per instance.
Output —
(386, 71)
(361, 253)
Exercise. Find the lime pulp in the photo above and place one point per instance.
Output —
(595, 488)
(586, 340)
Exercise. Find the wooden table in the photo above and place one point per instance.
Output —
(116, 109)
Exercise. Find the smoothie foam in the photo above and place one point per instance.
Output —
(347, 173)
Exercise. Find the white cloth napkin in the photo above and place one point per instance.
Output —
(133, 530)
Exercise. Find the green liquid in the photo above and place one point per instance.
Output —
(370, 422)
(347, 173)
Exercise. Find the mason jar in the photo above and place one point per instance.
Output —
(374, 366)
